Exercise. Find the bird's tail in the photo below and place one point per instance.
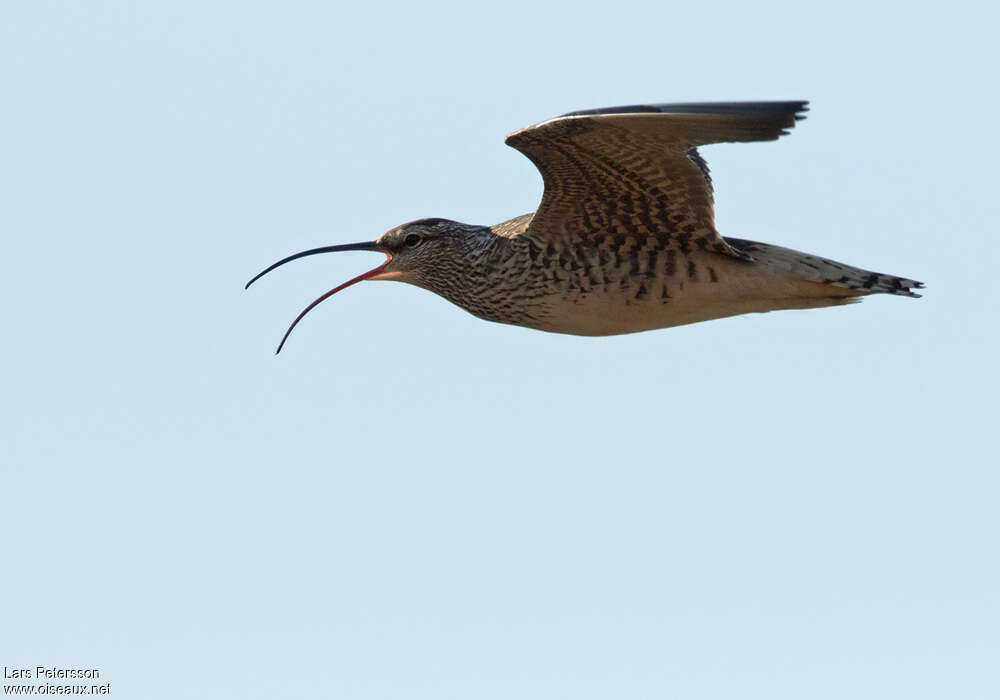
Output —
(813, 268)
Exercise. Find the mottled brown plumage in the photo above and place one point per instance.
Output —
(624, 239)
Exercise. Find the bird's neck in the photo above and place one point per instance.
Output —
(482, 273)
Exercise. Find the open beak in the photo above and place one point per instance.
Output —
(371, 274)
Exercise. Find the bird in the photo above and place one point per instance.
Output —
(624, 239)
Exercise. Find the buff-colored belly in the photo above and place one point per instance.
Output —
(600, 312)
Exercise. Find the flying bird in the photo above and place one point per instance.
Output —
(624, 239)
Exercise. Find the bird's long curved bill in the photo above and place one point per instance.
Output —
(371, 246)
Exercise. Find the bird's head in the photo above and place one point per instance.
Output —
(420, 246)
(415, 252)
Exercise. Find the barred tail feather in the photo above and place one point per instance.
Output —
(816, 269)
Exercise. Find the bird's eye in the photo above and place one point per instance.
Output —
(412, 240)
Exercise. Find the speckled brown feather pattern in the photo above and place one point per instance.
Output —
(636, 175)
(624, 239)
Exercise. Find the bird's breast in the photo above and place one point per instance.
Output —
(600, 290)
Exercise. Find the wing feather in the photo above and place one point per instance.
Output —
(635, 172)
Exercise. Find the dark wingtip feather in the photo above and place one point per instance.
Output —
(791, 108)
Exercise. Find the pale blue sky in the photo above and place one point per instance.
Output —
(412, 503)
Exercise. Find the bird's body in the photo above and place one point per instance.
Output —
(624, 239)
(625, 287)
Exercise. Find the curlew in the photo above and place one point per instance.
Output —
(624, 239)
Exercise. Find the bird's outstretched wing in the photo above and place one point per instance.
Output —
(635, 172)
